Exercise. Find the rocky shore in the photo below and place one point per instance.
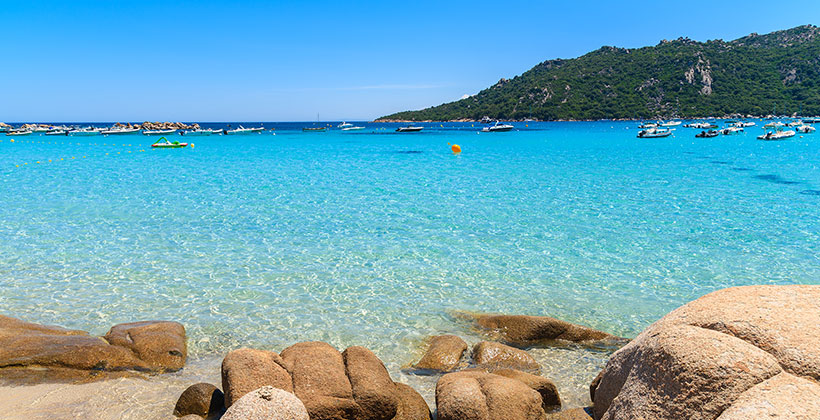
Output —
(738, 353)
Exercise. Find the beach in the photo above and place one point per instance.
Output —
(380, 239)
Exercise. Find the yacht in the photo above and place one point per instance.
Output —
(120, 131)
(776, 135)
(243, 130)
(90, 131)
(18, 132)
(409, 129)
(158, 132)
(344, 124)
(671, 124)
(497, 127)
(197, 132)
(650, 133)
(353, 128)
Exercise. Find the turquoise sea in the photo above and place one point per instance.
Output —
(375, 238)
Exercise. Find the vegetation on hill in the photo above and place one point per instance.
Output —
(755, 75)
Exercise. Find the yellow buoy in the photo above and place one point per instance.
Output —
(12, 140)
(455, 148)
(192, 145)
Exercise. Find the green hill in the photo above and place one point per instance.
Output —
(755, 75)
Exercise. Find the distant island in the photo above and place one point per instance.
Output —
(757, 75)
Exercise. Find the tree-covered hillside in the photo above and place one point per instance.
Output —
(757, 74)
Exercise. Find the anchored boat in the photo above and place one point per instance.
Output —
(776, 135)
(497, 127)
(707, 134)
(651, 133)
(158, 132)
(243, 130)
(115, 131)
(409, 129)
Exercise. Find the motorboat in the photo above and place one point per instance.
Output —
(344, 125)
(409, 129)
(671, 124)
(197, 132)
(707, 134)
(797, 123)
(774, 124)
(701, 125)
(776, 135)
(164, 143)
(353, 128)
(650, 133)
(731, 130)
(158, 132)
(115, 131)
(243, 130)
(90, 131)
(811, 120)
(58, 132)
(314, 129)
(497, 127)
(805, 129)
(648, 125)
(19, 132)
(744, 124)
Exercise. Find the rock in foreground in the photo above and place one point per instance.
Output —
(477, 395)
(491, 355)
(739, 353)
(151, 346)
(331, 385)
(202, 399)
(267, 403)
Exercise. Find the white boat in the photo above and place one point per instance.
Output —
(115, 131)
(409, 129)
(814, 120)
(353, 128)
(731, 130)
(243, 130)
(90, 131)
(344, 124)
(158, 132)
(58, 132)
(774, 124)
(40, 129)
(743, 124)
(805, 129)
(671, 124)
(18, 132)
(651, 133)
(776, 135)
(797, 123)
(701, 125)
(648, 125)
(497, 127)
(197, 132)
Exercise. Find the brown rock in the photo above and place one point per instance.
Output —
(476, 395)
(524, 330)
(572, 414)
(320, 381)
(443, 355)
(267, 403)
(190, 417)
(495, 355)
(411, 405)
(549, 392)
(742, 352)
(147, 346)
(201, 399)
(373, 390)
(161, 344)
(245, 370)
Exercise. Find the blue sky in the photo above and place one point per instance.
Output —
(287, 61)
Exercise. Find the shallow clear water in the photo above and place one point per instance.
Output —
(374, 238)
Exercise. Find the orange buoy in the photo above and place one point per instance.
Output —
(455, 148)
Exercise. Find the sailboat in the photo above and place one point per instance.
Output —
(315, 129)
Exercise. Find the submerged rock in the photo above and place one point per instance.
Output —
(267, 403)
(524, 330)
(443, 355)
(202, 399)
(491, 355)
(351, 385)
(739, 353)
(477, 395)
(150, 346)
